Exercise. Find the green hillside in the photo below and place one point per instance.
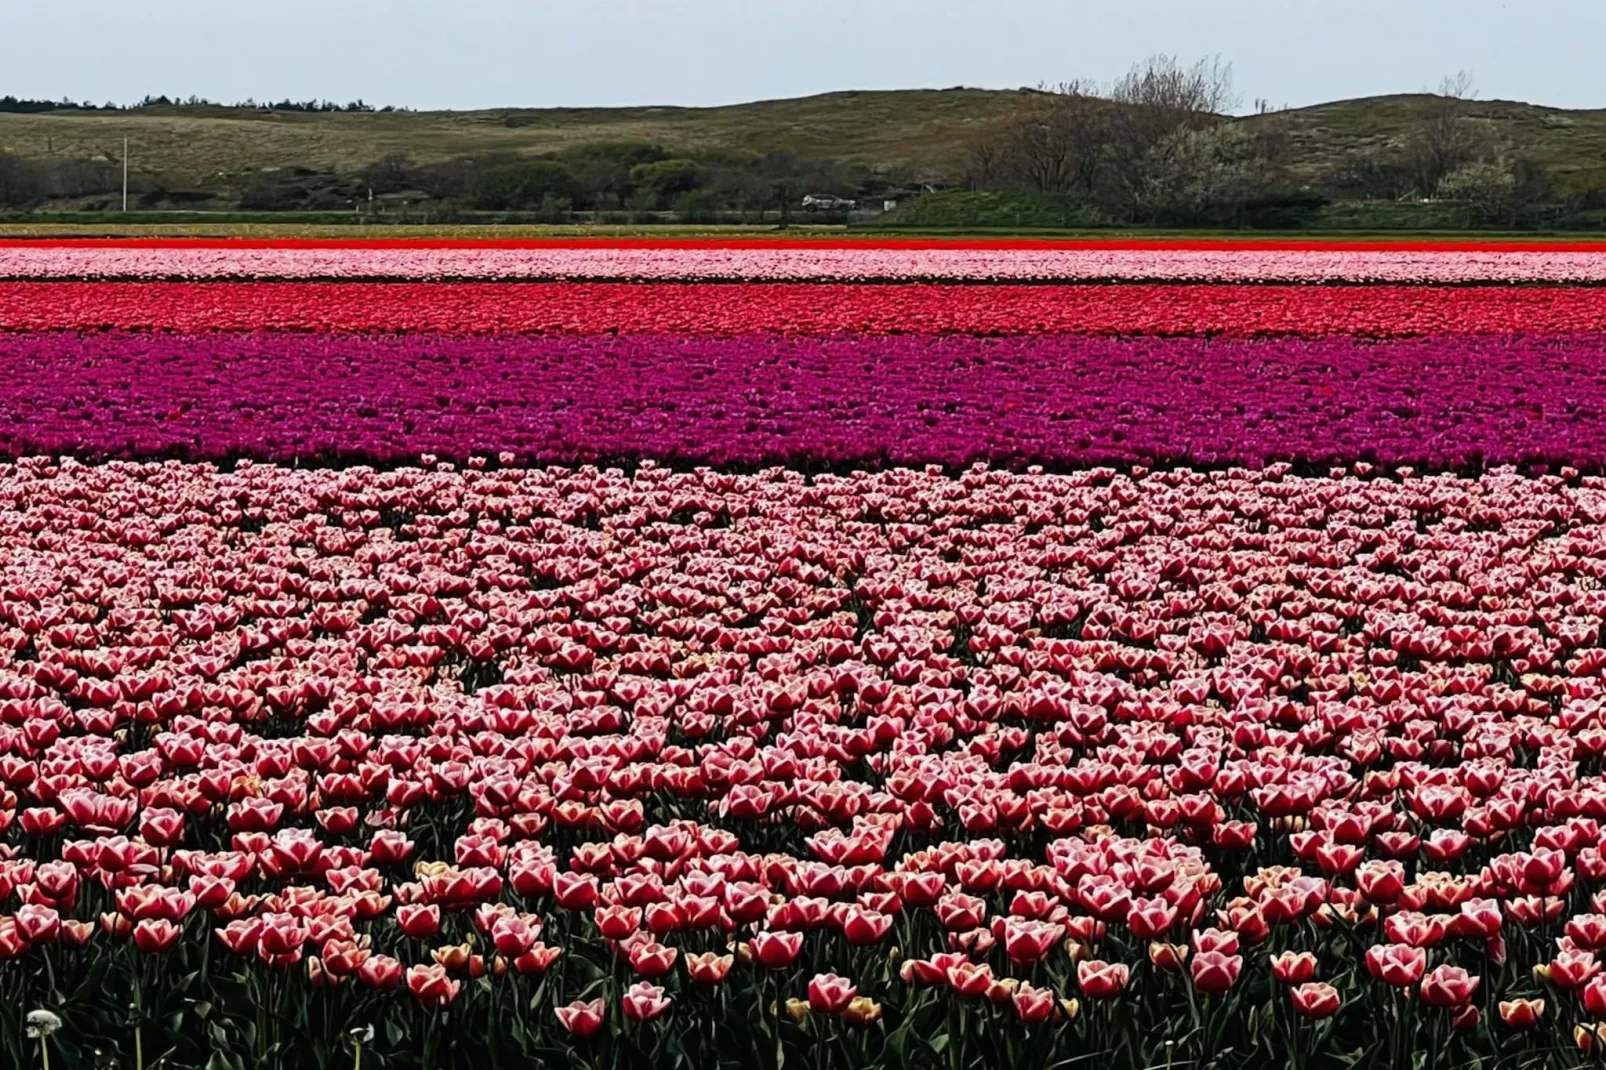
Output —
(1570, 145)
(210, 154)
(922, 131)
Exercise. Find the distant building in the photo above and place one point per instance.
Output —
(891, 198)
(826, 203)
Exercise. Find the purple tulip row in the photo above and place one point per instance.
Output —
(1061, 400)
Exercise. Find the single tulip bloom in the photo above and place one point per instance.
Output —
(1480, 917)
(969, 979)
(1522, 1013)
(1226, 942)
(1595, 996)
(776, 951)
(1399, 965)
(575, 891)
(1028, 941)
(156, 935)
(861, 1011)
(582, 1018)
(829, 994)
(418, 921)
(512, 937)
(1214, 973)
(652, 959)
(709, 968)
(1380, 882)
(644, 1002)
(1033, 1005)
(1102, 980)
(1572, 968)
(615, 922)
(862, 927)
(76, 934)
(39, 924)
(1294, 968)
(1314, 999)
(431, 986)
(1448, 986)
(381, 973)
(1150, 918)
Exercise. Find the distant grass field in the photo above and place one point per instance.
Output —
(923, 132)
(48, 230)
(69, 229)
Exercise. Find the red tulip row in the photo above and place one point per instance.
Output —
(878, 758)
(800, 308)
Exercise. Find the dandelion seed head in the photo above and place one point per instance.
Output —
(42, 1023)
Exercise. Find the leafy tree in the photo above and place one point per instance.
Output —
(697, 206)
(603, 169)
(665, 179)
(1503, 191)
(20, 181)
(390, 175)
(524, 184)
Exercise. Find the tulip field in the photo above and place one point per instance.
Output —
(759, 654)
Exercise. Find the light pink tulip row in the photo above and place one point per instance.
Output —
(803, 262)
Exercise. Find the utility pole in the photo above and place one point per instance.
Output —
(125, 174)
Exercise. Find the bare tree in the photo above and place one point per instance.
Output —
(1458, 86)
(1157, 100)
(1162, 85)
(1100, 146)
(1065, 138)
(990, 156)
(1055, 145)
(1444, 139)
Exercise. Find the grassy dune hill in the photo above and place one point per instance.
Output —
(207, 148)
(1570, 144)
(921, 133)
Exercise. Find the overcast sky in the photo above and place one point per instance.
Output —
(535, 53)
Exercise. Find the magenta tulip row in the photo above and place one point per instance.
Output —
(1062, 401)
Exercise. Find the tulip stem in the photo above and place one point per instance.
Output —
(953, 1032)
(778, 1055)
(139, 1041)
(356, 1062)
(490, 1024)
(44, 1051)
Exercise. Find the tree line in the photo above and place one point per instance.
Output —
(22, 105)
(627, 180)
